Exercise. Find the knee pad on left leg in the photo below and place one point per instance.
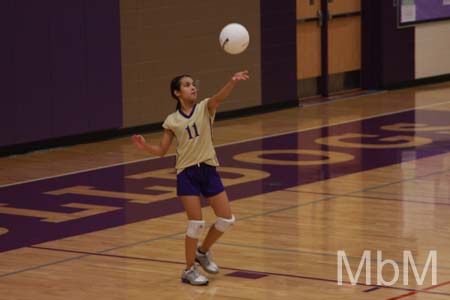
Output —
(223, 224)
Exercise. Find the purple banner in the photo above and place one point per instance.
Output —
(413, 11)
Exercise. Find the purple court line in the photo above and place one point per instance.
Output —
(372, 289)
(108, 255)
(369, 197)
(417, 195)
(377, 187)
(415, 292)
(401, 181)
(85, 253)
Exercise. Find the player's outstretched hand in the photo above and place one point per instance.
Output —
(240, 76)
(138, 141)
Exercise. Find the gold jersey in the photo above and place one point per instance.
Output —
(194, 136)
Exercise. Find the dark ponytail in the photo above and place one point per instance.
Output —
(175, 86)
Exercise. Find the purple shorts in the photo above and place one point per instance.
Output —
(199, 180)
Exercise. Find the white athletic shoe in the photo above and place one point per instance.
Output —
(193, 276)
(206, 262)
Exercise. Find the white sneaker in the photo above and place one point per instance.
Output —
(193, 276)
(206, 262)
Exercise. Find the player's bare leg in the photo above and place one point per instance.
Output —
(221, 206)
(225, 219)
(193, 210)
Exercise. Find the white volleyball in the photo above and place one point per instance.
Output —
(234, 38)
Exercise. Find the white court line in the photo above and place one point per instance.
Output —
(227, 144)
(335, 99)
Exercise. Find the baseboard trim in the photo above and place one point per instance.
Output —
(417, 82)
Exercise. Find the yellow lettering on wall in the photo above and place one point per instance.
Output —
(132, 197)
(326, 157)
(57, 217)
(413, 127)
(408, 141)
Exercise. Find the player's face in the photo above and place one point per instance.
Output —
(188, 91)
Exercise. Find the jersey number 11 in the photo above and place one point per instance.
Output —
(190, 133)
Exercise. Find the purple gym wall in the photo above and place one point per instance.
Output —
(397, 48)
(388, 51)
(61, 68)
(6, 83)
(278, 51)
(371, 37)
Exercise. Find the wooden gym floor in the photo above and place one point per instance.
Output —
(369, 173)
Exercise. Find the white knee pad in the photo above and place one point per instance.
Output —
(195, 228)
(223, 224)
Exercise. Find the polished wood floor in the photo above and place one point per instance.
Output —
(285, 242)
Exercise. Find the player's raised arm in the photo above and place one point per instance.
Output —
(215, 100)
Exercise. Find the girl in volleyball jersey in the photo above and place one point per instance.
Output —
(191, 125)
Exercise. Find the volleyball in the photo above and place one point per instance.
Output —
(234, 38)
